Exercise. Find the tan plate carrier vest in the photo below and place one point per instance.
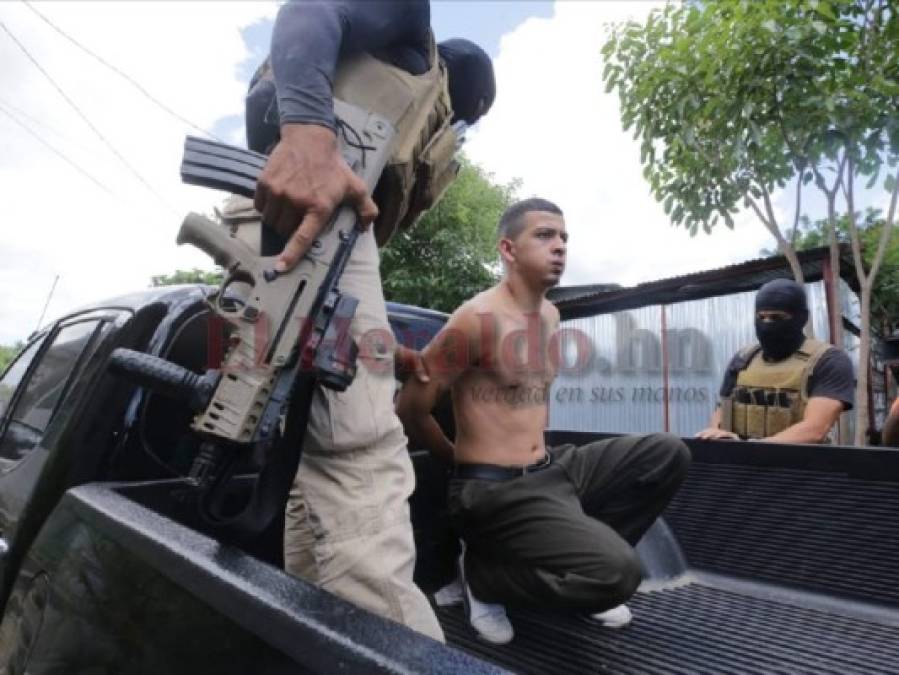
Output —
(422, 164)
(769, 396)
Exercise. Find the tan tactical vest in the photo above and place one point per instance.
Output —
(422, 165)
(768, 396)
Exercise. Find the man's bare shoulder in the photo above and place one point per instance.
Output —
(550, 312)
(457, 346)
(485, 302)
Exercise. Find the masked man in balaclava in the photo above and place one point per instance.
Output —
(787, 388)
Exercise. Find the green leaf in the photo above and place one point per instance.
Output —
(825, 9)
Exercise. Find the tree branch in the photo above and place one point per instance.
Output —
(848, 190)
(769, 209)
(782, 243)
(798, 209)
(771, 228)
(886, 230)
(821, 183)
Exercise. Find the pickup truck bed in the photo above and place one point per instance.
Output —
(697, 627)
(740, 579)
(771, 559)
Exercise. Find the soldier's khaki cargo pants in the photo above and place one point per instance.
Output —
(347, 525)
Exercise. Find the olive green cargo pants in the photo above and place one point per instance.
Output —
(563, 537)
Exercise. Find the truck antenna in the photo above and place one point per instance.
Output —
(46, 304)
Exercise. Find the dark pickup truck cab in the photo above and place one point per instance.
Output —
(770, 559)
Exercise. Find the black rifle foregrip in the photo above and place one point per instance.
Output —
(164, 377)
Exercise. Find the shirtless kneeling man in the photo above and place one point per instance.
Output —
(541, 527)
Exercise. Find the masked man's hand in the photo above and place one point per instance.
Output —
(717, 434)
(304, 180)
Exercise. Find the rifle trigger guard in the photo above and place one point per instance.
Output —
(235, 274)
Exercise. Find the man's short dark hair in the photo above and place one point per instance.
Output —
(512, 221)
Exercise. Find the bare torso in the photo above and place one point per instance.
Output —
(500, 404)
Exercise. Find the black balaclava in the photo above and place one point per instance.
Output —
(780, 339)
(472, 86)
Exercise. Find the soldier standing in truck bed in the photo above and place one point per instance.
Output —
(347, 520)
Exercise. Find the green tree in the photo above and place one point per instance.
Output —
(450, 254)
(8, 353)
(192, 276)
(885, 291)
(733, 100)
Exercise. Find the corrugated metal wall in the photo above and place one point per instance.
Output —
(618, 390)
(623, 388)
(721, 326)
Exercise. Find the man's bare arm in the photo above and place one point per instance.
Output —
(414, 407)
(408, 363)
(820, 415)
(891, 428)
(446, 358)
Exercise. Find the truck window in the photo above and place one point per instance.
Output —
(14, 375)
(32, 411)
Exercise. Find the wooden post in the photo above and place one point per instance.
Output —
(665, 401)
(833, 305)
(835, 328)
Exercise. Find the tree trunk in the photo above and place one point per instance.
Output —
(793, 260)
(770, 223)
(864, 351)
(832, 290)
(834, 281)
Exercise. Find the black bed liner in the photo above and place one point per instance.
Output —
(790, 565)
(694, 628)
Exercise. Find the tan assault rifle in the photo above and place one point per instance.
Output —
(289, 331)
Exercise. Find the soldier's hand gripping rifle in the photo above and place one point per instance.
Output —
(291, 330)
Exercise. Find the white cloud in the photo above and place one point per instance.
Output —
(53, 220)
(553, 126)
